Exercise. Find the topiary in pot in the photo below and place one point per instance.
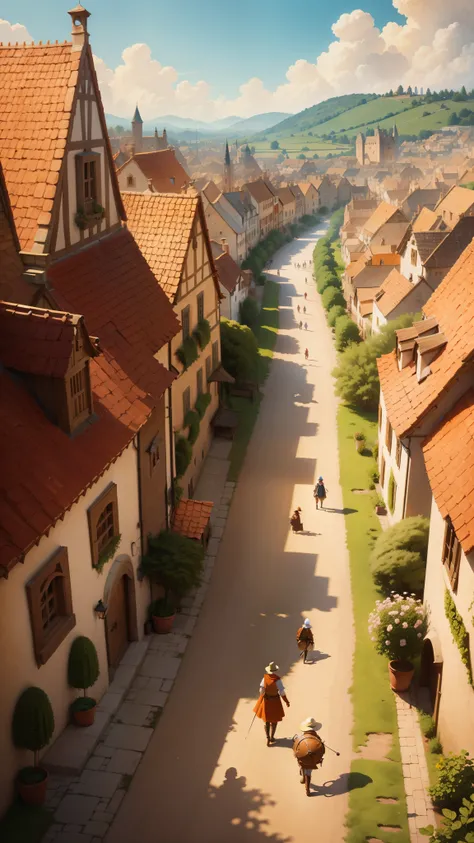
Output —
(162, 614)
(83, 672)
(32, 728)
(174, 562)
(398, 559)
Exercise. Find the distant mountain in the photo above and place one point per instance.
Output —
(259, 122)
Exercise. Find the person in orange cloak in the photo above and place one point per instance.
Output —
(268, 706)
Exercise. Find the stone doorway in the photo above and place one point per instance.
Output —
(121, 618)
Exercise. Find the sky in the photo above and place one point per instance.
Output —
(213, 59)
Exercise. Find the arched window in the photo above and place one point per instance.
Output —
(50, 604)
(103, 523)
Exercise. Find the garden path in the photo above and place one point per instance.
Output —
(205, 777)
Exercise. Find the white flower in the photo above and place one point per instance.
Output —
(389, 627)
(397, 620)
(405, 625)
(403, 642)
(419, 635)
(387, 643)
(405, 593)
(417, 624)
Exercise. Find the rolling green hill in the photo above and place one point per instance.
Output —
(317, 114)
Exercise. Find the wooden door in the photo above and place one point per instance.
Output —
(117, 622)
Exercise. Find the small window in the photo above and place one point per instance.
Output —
(103, 523)
(208, 373)
(50, 605)
(185, 321)
(215, 354)
(388, 436)
(414, 257)
(130, 181)
(199, 382)
(186, 401)
(200, 306)
(451, 554)
(78, 395)
(88, 182)
(398, 453)
(154, 453)
(172, 180)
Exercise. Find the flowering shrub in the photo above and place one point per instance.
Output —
(397, 626)
(455, 780)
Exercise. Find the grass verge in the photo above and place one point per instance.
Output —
(24, 823)
(373, 701)
(247, 411)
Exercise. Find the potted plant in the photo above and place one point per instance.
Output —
(359, 441)
(32, 728)
(173, 562)
(83, 672)
(162, 614)
(397, 627)
(380, 507)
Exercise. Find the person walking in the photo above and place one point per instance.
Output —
(304, 309)
(306, 353)
(295, 521)
(298, 308)
(304, 639)
(306, 326)
(268, 706)
(308, 750)
(306, 295)
(320, 492)
(301, 325)
(305, 280)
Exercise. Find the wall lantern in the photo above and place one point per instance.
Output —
(100, 610)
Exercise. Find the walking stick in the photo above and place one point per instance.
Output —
(331, 749)
(253, 721)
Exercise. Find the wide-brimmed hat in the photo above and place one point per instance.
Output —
(272, 667)
(307, 623)
(309, 723)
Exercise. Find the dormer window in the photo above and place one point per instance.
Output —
(414, 257)
(130, 181)
(88, 192)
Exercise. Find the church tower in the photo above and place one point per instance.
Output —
(137, 131)
(228, 179)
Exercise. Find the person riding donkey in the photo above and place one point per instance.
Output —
(304, 639)
(268, 706)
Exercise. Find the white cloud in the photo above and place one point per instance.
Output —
(13, 32)
(433, 48)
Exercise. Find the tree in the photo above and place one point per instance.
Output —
(347, 332)
(409, 91)
(274, 145)
(400, 91)
(331, 297)
(370, 132)
(302, 156)
(328, 279)
(398, 559)
(248, 314)
(239, 350)
(334, 314)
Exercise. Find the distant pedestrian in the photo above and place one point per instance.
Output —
(306, 326)
(304, 639)
(278, 271)
(306, 295)
(301, 325)
(320, 493)
(295, 521)
(304, 309)
(298, 308)
(305, 280)
(306, 353)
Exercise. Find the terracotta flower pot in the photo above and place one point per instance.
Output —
(163, 625)
(401, 674)
(380, 510)
(83, 711)
(360, 444)
(31, 785)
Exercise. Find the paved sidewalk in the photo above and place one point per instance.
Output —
(415, 769)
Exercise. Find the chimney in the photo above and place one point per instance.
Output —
(224, 245)
(80, 35)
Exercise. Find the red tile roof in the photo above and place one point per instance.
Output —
(449, 460)
(36, 97)
(162, 225)
(39, 341)
(163, 168)
(392, 292)
(191, 518)
(452, 307)
(228, 271)
(382, 214)
(111, 283)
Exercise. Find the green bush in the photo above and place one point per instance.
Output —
(329, 280)
(83, 664)
(453, 829)
(334, 314)
(202, 403)
(435, 746)
(331, 297)
(459, 633)
(427, 724)
(192, 421)
(455, 780)
(202, 333)
(347, 332)
(33, 721)
(356, 375)
(248, 313)
(187, 353)
(239, 350)
(398, 559)
(375, 452)
(174, 562)
(183, 454)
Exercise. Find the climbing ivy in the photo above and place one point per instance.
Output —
(459, 633)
